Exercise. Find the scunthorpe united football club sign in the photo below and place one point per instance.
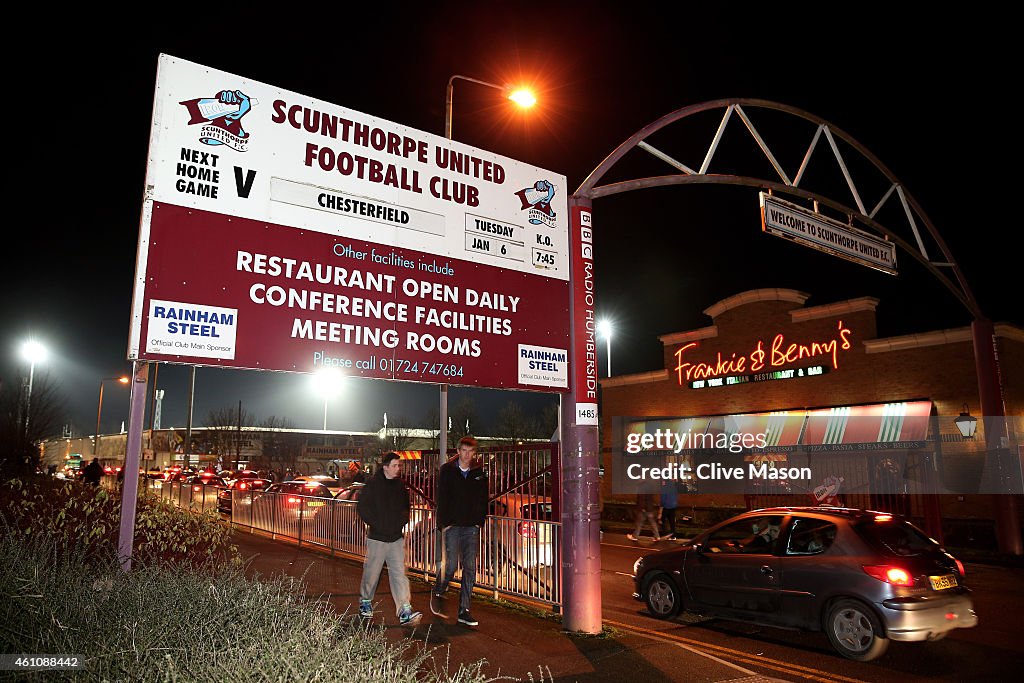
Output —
(280, 232)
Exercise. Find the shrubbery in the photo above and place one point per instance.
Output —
(85, 520)
(183, 613)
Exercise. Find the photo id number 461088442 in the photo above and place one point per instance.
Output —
(41, 662)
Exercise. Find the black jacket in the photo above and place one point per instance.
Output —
(92, 473)
(384, 505)
(461, 501)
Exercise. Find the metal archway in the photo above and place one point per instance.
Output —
(580, 463)
(911, 208)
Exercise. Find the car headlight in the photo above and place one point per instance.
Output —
(637, 565)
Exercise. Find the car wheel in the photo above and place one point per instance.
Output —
(855, 631)
(663, 597)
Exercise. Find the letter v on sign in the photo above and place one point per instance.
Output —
(243, 187)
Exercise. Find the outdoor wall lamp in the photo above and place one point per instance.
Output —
(967, 424)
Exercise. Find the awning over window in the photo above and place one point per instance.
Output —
(878, 426)
(882, 423)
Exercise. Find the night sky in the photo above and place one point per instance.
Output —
(928, 102)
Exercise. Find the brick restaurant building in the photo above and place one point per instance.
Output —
(766, 352)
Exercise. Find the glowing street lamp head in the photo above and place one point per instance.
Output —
(524, 97)
(604, 328)
(123, 380)
(328, 382)
(33, 351)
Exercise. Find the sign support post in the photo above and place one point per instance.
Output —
(133, 447)
(580, 510)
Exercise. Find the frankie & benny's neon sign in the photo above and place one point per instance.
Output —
(778, 354)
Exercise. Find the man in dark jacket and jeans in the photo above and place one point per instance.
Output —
(461, 511)
(384, 506)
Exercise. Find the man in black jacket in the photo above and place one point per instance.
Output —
(384, 506)
(92, 472)
(461, 511)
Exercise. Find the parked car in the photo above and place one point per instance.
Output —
(342, 524)
(331, 483)
(292, 500)
(231, 475)
(244, 489)
(863, 577)
(205, 479)
(525, 540)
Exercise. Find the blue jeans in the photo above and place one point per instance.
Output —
(461, 546)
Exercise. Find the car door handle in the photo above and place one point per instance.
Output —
(767, 571)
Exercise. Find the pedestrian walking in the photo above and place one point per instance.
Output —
(461, 512)
(92, 472)
(645, 504)
(384, 506)
(669, 503)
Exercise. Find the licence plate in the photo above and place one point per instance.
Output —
(313, 505)
(942, 582)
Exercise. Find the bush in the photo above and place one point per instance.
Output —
(160, 623)
(85, 521)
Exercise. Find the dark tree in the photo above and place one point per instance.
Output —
(24, 423)
(222, 434)
(280, 448)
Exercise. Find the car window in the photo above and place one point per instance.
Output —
(751, 535)
(893, 537)
(537, 511)
(810, 536)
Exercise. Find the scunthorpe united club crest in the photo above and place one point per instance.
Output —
(537, 202)
(221, 118)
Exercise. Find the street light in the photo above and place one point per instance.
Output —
(524, 97)
(33, 352)
(99, 410)
(604, 328)
(328, 383)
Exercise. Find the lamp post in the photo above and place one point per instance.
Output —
(521, 96)
(525, 98)
(33, 352)
(99, 411)
(327, 383)
(604, 328)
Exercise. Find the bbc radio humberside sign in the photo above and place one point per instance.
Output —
(280, 232)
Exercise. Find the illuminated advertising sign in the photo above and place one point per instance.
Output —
(729, 380)
(284, 233)
(760, 365)
(811, 229)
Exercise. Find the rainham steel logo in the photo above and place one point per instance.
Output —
(221, 118)
(537, 201)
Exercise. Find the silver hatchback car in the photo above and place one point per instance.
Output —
(863, 577)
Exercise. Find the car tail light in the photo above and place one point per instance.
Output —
(197, 487)
(883, 518)
(897, 576)
(960, 567)
(293, 501)
(241, 486)
(527, 529)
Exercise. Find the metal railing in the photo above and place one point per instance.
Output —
(517, 556)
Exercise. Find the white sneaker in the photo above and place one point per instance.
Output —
(631, 537)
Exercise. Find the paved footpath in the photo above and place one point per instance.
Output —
(515, 642)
